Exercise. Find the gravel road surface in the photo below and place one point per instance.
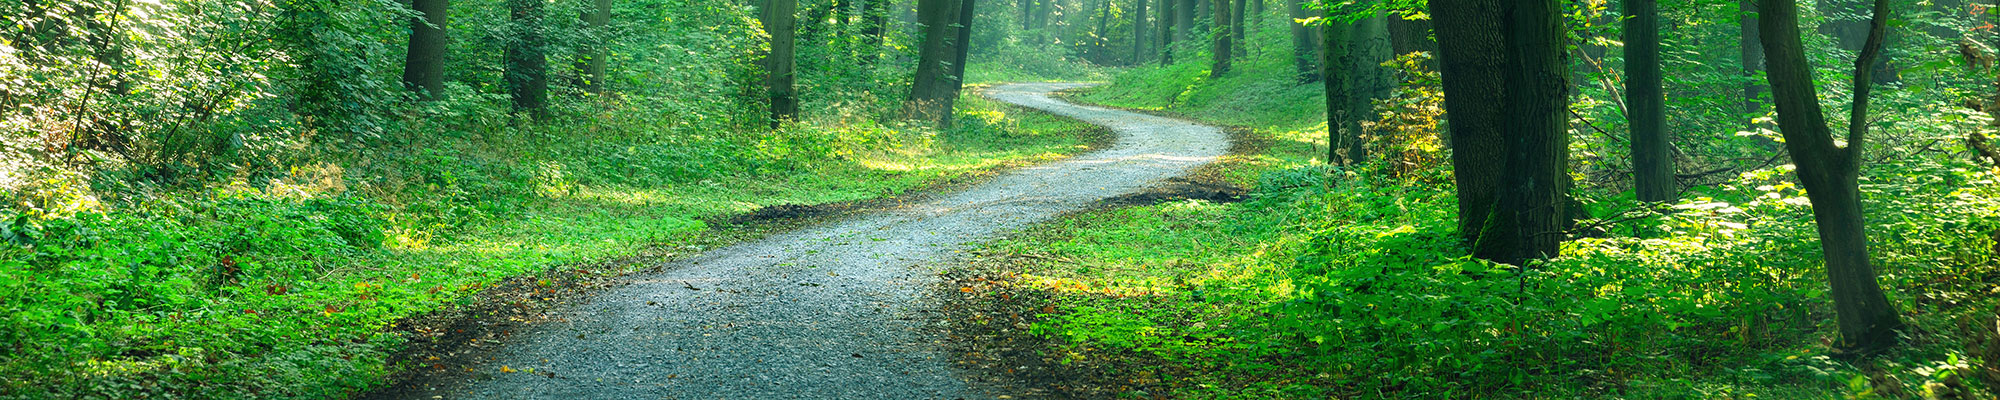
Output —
(827, 312)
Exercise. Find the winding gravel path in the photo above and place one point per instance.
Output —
(829, 312)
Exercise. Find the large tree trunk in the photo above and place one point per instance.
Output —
(781, 22)
(595, 66)
(1367, 81)
(1752, 59)
(423, 65)
(1408, 36)
(527, 61)
(1652, 164)
(1221, 52)
(1829, 173)
(934, 88)
(1338, 103)
(1472, 58)
(1303, 47)
(1139, 32)
(1527, 220)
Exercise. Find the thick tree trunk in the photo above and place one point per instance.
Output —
(527, 61)
(781, 22)
(1368, 47)
(423, 65)
(1139, 32)
(1303, 48)
(1221, 52)
(1473, 60)
(1829, 173)
(1527, 220)
(1408, 36)
(934, 88)
(595, 66)
(1652, 164)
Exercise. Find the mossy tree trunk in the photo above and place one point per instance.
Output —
(1830, 173)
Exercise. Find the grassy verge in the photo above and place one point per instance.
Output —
(1338, 283)
(287, 290)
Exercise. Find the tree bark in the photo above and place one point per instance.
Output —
(595, 67)
(1222, 51)
(1368, 47)
(1303, 47)
(1338, 103)
(1752, 59)
(1184, 19)
(1236, 27)
(1408, 36)
(1652, 164)
(934, 88)
(423, 65)
(1829, 173)
(1472, 58)
(963, 47)
(781, 22)
(1139, 31)
(1167, 22)
(1528, 217)
(527, 61)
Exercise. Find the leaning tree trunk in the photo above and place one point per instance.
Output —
(1302, 43)
(595, 67)
(1652, 164)
(1472, 58)
(1221, 52)
(1830, 173)
(781, 22)
(1528, 217)
(527, 61)
(932, 90)
(423, 65)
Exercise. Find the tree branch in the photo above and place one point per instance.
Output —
(1864, 68)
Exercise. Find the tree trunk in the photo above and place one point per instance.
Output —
(1236, 26)
(1338, 103)
(1221, 52)
(1472, 58)
(963, 47)
(1528, 217)
(423, 65)
(1752, 59)
(1368, 47)
(1184, 19)
(527, 61)
(1412, 35)
(781, 22)
(1302, 44)
(1139, 31)
(1652, 164)
(595, 67)
(932, 91)
(1829, 173)
(1166, 43)
(872, 15)
(1027, 13)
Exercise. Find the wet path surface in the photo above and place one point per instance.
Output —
(828, 312)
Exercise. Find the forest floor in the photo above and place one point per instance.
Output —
(839, 310)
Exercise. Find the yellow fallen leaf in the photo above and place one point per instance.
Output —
(504, 368)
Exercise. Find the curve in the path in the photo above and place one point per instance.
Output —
(825, 312)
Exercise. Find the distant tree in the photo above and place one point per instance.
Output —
(1184, 14)
(1752, 58)
(1168, 16)
(781, 22)
(598, 18)
(1412, 35)
(527, 61)
(1139, 31)
(874, 20)
(1831, 173)
(1337, 32)
(423, 65)
(1236, 27)
(1354, 64)
(963, 48)
(1221, 52)
(1303, 47)
(1652, 163)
